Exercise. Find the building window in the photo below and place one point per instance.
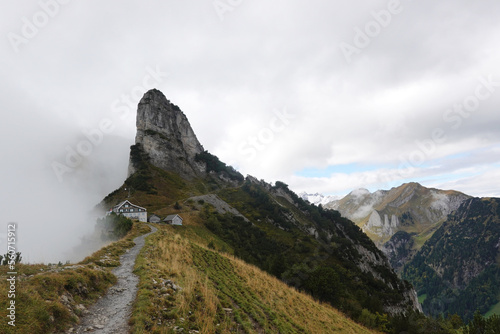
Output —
(121, 210)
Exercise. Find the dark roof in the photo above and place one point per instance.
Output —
(127, 201)
(171, 217)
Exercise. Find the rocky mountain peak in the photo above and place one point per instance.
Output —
(165, 135)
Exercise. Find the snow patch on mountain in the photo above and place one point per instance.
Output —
(318, 198)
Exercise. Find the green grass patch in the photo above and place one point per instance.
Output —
(202, 235)
(495, 309)
(422, 298)
(425, 235)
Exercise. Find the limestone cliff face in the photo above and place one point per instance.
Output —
(166, 136)
(382, 227)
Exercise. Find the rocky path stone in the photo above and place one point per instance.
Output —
(111, 313)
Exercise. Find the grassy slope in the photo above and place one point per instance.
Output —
(166, 189)
(425, 235)
(47, 296)
(159, 190)
(220, 294)
(495, 309)
(422, 298)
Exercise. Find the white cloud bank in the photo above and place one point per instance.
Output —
(422, 91)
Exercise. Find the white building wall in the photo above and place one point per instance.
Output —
(140, 216)
(177, 221)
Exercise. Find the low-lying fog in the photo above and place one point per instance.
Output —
(52, 177)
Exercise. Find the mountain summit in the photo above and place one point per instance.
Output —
(384, 212)
(165, 135)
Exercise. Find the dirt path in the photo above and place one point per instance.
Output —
(111, 313)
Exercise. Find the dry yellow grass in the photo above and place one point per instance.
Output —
(168, 255)
(310, 314)
(221, 294)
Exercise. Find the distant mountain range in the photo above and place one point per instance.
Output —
(318, 198)
(410, 207)
(446, 243)
(385, 212)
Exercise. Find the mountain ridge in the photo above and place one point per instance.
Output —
(318, 198)
(277, 230)
(412, 210)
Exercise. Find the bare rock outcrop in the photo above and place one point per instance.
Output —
(166, 136)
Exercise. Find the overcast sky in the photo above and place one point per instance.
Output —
(327, 96)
